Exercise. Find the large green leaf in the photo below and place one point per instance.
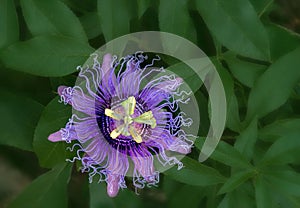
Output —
(233, 24)
(195, 173)
(194, 194)
(114, 17)
(211, 197)
(132, 201)
(285, 181)
(40, 19)
(232, 121)
(236, 180)
(19, 115)
(81, 6)
(262, 6)
(243, 71)
(46, 55)
(274, 86)
(262, 193)
(241, 197)
(142, 6)
(227, 154)
(203, 106)
(53, 119)
(99, 197)
(48, 190)
(269, 193)
(91, 24)
(279, 47)
(280, 128)
(284, 150)
(171, 21)
(9, 27)
(246, 140)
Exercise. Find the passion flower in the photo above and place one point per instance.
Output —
(125, 117)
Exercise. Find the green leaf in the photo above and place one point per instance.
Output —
(233, 24)
(278, 47)
(211, 197)
(132, 201)
(236, 180)
(280, 128)
(246, 140)
(69, 80)
(46, 55)
(195, 173)
(40, 19)
(99, 197)
(171, 21)
(9, 26)
(262, 193)
(203, 106)
(283, 200)
(91, 24)
(241, 197)
(81, 6)
(245, 72)
(227, 154)
(285, 181)
(284, 150)
(54, 117)
(143, 5)
(272, 89)
(262, 6)
(48, 190)
(226, 79)
(269, 194)
(194, 194)
(19, 115)
(114, 17)
(232, 121)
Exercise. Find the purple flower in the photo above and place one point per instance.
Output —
(126, 116)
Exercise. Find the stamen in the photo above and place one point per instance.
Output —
(112, 114)
(146, 118)
(129, 105)
(135, 135)
(126, 128)
(115, 133)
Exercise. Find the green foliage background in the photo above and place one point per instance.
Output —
(255, 46)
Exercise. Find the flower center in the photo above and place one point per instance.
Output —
(126, 126)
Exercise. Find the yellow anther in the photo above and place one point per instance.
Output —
(129, 105)
(115, 133)
(135, 135)
(112, 114)
(146, 118)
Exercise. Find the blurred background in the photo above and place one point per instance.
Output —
(255, 46)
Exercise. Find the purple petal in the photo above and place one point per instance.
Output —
(144, 166)
(55, 137)
(112, 185)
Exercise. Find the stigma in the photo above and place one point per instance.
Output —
(126, 125)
